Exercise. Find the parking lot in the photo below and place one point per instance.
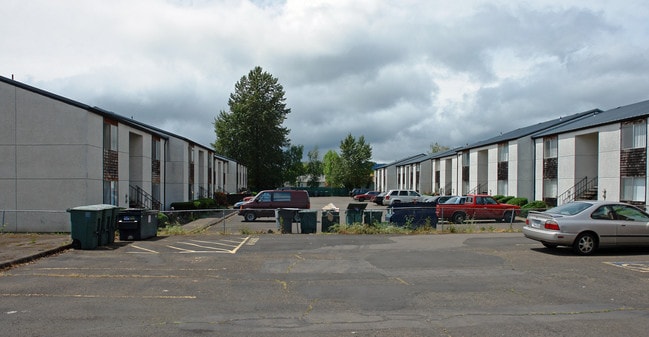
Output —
(487, 284)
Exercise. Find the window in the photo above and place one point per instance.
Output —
(110, 136)
(550, 146)
(264, 197)
(282, 196)
(550, 188)
(110, 193)
(155, 149)
(503, 187)
(633, 189)
(634, 135)
(465, 159)
(503, 153)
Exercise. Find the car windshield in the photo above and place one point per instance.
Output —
(571, 208)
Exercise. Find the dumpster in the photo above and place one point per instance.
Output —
(372, 216)
(329, 218)
(284, 218)
(137, 224)
(88, 225)
(308, 221)
(413, 215)
(109, 225)
(354, 212)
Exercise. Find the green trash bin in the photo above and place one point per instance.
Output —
(372, 216)
(108, 224)
(308, 221)
(86, 226)
(329, 218)
(354, 212)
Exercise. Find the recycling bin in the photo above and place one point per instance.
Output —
(137, 224)
(354, 212)
(372, 216)
(87, 225)
(308, 221)
(329, 218)
(284, 218)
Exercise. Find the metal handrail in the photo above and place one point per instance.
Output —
(578, 190)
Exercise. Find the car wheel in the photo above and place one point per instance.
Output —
(361, 199)
(459, 217)
(250, 216)
(586, 244)
(549, 245)
(509, 217)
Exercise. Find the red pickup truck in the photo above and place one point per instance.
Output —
(476, 207)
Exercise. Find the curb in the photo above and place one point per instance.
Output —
(10, 264)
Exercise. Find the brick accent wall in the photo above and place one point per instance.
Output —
(633, 162)
(155, 171)
(503, 170)
(550, 168)
(111, 167)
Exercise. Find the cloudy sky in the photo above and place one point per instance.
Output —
(402, 73)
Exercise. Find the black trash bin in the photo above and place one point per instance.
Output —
(137, 224)
(284, 218)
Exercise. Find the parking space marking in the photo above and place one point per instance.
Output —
(642, 267)
(227, 246)
(209, 246)
(164, 297)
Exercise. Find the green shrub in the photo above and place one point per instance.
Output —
(536, 205)
(163, 220)
(517, 201)
(498, 197)
(505, 200)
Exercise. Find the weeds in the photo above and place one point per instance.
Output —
(172, 230)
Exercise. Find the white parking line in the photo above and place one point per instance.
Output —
(228, 246)
(642, 267)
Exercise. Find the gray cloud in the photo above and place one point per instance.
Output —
(402, 74)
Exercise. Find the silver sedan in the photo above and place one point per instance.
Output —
(588, 225)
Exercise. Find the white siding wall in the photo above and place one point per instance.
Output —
(609, 162)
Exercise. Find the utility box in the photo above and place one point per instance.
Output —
(137, 224)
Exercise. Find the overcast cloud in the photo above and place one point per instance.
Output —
(404, 74)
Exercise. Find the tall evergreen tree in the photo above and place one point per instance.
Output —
(251, 132)
(355, 161)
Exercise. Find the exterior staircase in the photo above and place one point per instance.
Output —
(584, 189)
(141, 199)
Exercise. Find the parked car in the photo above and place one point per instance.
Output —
(476, 207)
(437, 199)
(588, 225)
(397, 196)
(378, 199)
(366, 196)
(356, 191)
(245, 200)
(266, 202)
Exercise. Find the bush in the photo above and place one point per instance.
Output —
(203, 203)
(517, 201)
(505, 200)
(163, 220)
(498, 197)
(537, 205)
